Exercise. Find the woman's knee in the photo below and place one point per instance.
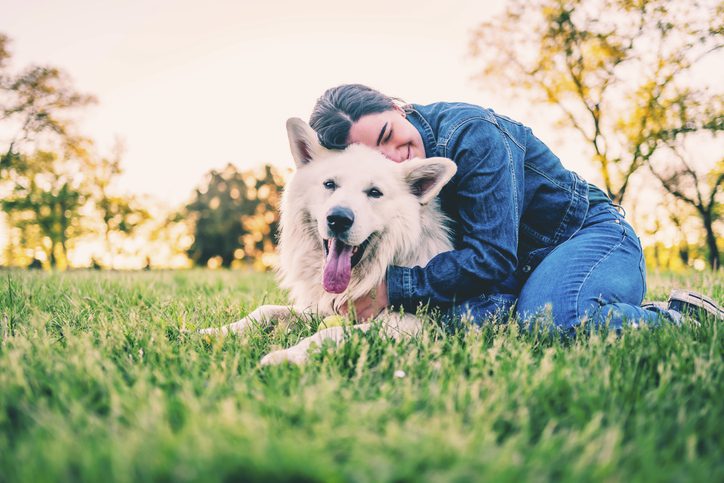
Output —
(537, 312)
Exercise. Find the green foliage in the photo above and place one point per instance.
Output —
(102, 378)
(49, 173)
(235, 216)
(119, 214)
(623, 75)
(47, 199)
(35, 108)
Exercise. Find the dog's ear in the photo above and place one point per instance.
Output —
(302, 141)
(426, 177)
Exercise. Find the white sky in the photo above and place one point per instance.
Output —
(190, 85)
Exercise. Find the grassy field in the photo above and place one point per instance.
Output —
(101, 380)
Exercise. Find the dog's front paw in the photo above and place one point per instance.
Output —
(213, 331)
(291, 356)
(239, 327)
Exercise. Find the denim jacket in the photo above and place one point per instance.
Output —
(511, 202)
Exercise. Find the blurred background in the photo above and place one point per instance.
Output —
(149, 135)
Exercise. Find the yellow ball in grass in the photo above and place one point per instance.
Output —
(332, 321)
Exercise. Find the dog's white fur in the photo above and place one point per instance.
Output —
(402, 227)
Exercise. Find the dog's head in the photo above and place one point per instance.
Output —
(357, 198)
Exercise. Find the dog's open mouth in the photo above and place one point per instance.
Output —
(339, 262)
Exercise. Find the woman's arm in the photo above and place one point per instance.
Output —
(489, 197)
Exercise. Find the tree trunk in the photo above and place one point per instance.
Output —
(684, 253)
(711, 242)
(108, 246)
(51, 256)
(64, 251)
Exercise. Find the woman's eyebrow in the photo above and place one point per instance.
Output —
(382, 132)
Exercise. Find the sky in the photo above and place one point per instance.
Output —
(190, 86)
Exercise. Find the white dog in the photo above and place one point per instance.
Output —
(345, 217)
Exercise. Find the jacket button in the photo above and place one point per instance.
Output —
(526, 269)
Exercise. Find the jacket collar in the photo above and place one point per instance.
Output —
(423, 127)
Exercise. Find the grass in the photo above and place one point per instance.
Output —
(100, 382)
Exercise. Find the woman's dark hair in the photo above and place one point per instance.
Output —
(340, 107)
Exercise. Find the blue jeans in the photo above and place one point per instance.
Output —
(598, 274)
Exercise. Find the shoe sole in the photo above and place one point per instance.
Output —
(655, 303)
(698, 301)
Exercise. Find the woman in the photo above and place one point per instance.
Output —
(526, 229)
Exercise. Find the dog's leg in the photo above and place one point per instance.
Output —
(393, 325)
(401, 326)
(299, 353)
(262, 317)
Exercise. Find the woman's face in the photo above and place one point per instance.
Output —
(390, 133)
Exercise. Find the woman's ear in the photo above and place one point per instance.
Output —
(303, 141)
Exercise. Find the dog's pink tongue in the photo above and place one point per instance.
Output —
(337, 267)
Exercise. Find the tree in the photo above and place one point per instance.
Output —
(42, 159)
(262, 226)
(34, 107)
(702, 191)
(119, 214)
(235, 216)
(611, 68)
(47, 200)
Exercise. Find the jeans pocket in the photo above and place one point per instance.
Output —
(531, 261)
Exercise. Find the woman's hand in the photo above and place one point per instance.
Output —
(370, 305)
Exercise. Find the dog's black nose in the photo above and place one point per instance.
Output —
(339, 219)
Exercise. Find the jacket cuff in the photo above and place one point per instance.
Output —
(399, 288)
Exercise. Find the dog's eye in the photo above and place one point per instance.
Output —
(330, 185)
(374, 193)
